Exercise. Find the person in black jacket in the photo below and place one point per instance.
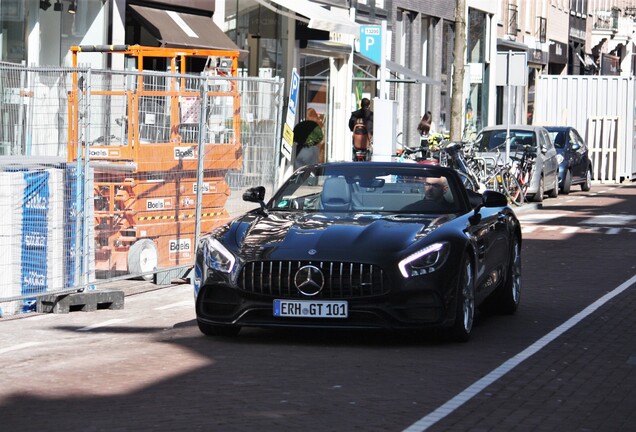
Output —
(365, 114)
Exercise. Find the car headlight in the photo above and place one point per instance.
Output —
(559, 158)
(216, 256)
(425, 261)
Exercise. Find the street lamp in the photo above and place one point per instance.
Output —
(72, 8)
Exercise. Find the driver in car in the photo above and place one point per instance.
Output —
(435, 191)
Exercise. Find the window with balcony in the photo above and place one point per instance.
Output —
(542, 25)
(513, 19)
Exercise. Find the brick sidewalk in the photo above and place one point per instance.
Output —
(585, 380)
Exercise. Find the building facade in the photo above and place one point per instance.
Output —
(321, 40)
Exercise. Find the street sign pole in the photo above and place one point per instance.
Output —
(509, 105)
(512, 70)
(383, 92)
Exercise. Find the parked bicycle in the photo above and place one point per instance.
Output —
(522, 167)
(501, 176)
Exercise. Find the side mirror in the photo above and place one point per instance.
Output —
(576, 146)
(494, 199)
(490, 198)
(254, 194)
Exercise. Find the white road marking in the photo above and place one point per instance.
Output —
(19, 347)
(610, 219)
(570, 230)
(471, 391)
(176, 305)
(613, 230)
(540, 218)
(103, 324)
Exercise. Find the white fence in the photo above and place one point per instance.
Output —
(602, 109)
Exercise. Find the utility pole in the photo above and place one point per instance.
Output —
(459, 53)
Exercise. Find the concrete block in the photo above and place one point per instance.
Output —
(86, 301)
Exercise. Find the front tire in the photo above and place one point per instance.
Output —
(538, 197)
(587, 185)
(567, 182)
(465, 311)
(554, 192)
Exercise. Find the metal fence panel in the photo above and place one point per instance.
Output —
(602, 108)
(100, 171)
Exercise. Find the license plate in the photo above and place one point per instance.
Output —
(311, 309)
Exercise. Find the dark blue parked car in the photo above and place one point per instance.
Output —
(575, 166)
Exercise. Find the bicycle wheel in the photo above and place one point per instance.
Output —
(512, 188)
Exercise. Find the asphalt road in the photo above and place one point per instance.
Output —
(558, 364)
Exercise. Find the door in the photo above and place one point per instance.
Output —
(578, 153)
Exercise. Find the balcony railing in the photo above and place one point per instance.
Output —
(607, 20)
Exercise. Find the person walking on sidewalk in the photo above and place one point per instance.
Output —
(363, 115)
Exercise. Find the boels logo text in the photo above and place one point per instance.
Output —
(179, 248)
(185, 153)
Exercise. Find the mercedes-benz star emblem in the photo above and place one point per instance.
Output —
(309, 280)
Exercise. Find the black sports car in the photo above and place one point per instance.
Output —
(361, 245)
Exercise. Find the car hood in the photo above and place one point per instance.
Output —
(289, 236)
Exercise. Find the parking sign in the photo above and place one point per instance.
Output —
(371, 42)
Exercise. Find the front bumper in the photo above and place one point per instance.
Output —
(421, 308)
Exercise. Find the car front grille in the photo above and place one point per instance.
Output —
(341, 280)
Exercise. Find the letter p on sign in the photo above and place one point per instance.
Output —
(371, 42)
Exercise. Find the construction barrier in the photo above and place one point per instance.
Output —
(114, 174)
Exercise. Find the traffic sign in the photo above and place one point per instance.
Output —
(371, 42)
(512, 68)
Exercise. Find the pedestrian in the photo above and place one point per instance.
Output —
(363, 115)
(426, 126)
(313, 115)
(307, 137)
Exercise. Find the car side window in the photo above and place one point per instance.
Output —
(546, 139)
(576, 138)
(541, 142)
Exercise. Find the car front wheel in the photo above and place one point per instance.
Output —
(554, 192)
(465, 313)
(567, 182)
(587, 184)
(538, 197)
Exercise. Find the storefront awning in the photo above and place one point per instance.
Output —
(319, 17)
(411, 74)
(587, 61)
(182, 30)
(327, 49)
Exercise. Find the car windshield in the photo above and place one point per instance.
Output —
(495, 140)
(400, 188)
